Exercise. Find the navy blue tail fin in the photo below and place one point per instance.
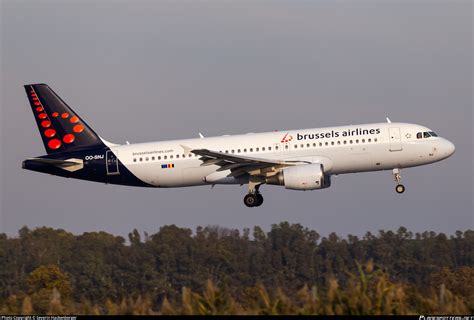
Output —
(60, 127)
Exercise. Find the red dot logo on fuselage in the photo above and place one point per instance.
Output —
(286, 138)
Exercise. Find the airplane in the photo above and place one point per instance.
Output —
(295, 159)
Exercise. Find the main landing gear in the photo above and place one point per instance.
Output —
(254, 198)
(400, 188)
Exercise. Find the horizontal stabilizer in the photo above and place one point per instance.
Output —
(69, 164)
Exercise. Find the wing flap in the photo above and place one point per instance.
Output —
(240, 165)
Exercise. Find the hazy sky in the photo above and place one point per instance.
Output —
(156, 70)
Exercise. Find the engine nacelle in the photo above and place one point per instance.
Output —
(302, 177)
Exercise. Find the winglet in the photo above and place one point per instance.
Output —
(388, 120)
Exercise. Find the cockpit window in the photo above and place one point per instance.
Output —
(419, 135)
(433, 134)
(426, 135)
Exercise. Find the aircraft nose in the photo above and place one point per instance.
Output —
(447, 148)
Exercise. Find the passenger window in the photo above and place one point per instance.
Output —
(276, 147)
(227, 151)
(189, 156)
(251, 150)
(357, 140)
(233, 151)
(350, 141)
(171, 156)
(308, 145)
(419, 135)
(141, 159)
(314, 145)
(134, 159)
(159, 157)
(320, 144)
(256, 149)
(286, 146)
(184, 156)
(326, 143)
(426, 135)
(363, 140)
(338, 142)
(345, 142)
(369, 140)
(375, 139)
(177, 156)
(245, 150)
(238, 150)
(165, 157)
(153, 158)
(296, 146)
(332, 143)
(302, 145)
(263, 148)
(269, 148)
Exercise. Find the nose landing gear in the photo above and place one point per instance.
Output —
(400, 188)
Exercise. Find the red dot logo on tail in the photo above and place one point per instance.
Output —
(65, 115)
(46, 124)
(49, 133)
(74, 119)
(54, 144)
(69, 138)
(42, 116)
(55, 114)
(78, 128)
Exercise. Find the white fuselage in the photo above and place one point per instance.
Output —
(344, 149)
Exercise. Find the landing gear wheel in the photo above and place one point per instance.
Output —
(400, 188)
(259, 200)
(251, 200)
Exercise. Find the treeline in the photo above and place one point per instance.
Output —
(250, 272)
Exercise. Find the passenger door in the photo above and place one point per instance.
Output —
(395, 139)
(111, 163)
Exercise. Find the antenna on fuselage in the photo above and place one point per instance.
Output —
(388, 120)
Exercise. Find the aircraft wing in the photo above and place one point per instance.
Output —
(240, 165)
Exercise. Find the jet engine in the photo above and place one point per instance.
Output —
(302, 177)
